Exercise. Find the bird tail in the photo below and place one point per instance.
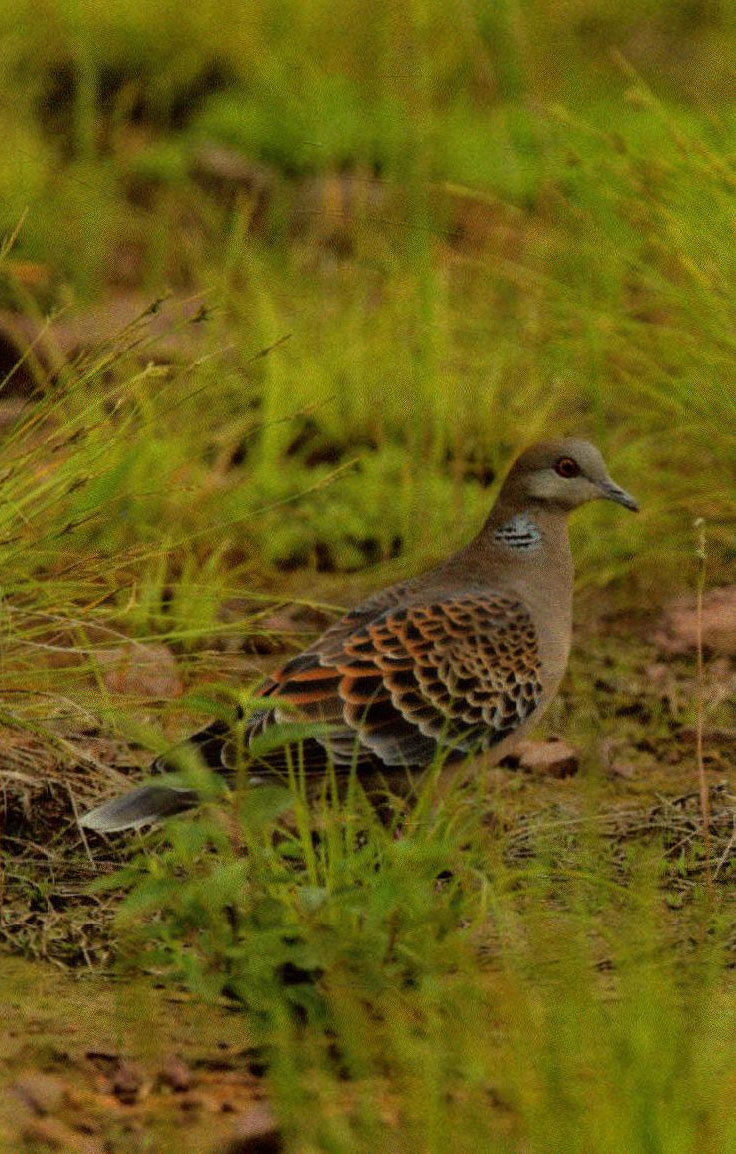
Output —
(155, 801)
(139, 807)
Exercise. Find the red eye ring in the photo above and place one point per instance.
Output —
(567, 468)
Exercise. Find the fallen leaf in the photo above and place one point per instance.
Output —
(141, 670)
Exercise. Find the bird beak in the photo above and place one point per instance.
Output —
(620, 496)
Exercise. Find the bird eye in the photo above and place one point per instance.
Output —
(566, 467)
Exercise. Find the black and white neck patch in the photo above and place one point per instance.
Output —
(519, 533)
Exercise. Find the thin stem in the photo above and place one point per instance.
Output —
(700, 553)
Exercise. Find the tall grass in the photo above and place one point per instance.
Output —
(404, 388)
(512, 269)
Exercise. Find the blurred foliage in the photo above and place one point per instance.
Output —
(475, 222)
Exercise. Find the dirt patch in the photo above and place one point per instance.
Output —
(98, 1065)
(677, 630)
(166, 331)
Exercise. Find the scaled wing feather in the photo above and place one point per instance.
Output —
(400, 681)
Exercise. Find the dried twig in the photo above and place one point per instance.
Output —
(724, 856)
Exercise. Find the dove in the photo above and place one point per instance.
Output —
(458, 661)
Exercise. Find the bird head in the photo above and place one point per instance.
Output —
(564, 474)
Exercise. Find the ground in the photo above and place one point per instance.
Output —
(96, 1057)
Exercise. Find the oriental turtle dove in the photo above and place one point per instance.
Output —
(460, 660)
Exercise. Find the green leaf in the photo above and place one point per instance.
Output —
(290, 733)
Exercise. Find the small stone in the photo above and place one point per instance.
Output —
(553, 758)
(128, 1082)
(624, 769)
(176, 1075)
(611, 761)
(255, 1133)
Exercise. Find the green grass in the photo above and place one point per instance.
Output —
(413, 372)
(427, 984)
(516, 267)
(474, 227)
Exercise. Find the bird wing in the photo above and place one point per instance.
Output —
(396, 683)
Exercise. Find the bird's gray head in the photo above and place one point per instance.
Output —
(563, 474)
